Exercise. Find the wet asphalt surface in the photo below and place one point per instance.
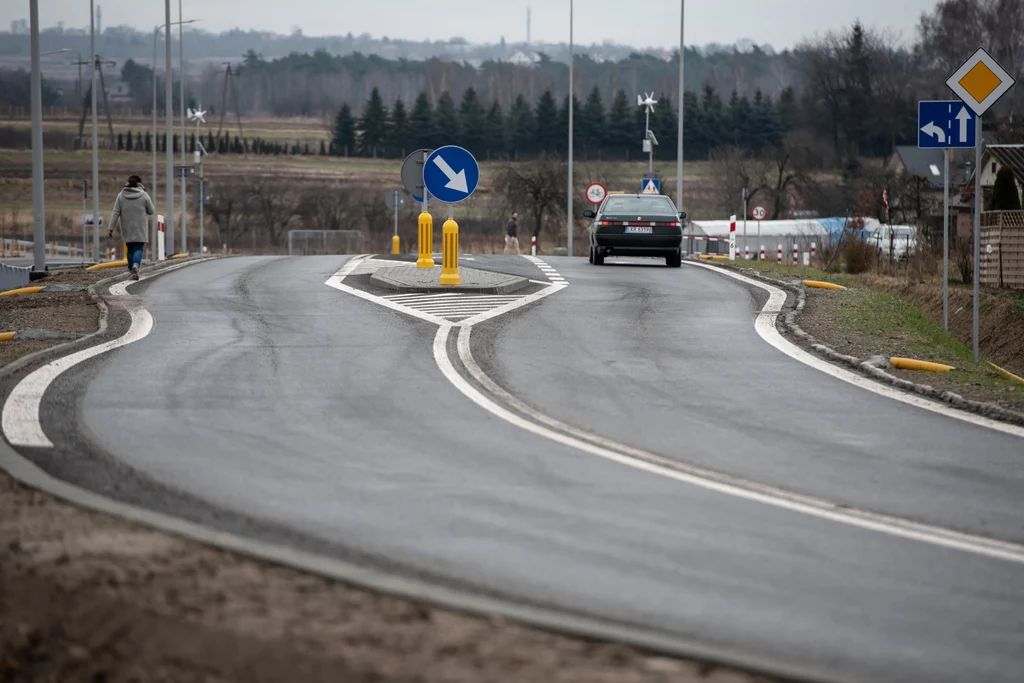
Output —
(270, 404)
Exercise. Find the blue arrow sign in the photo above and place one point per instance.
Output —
(450, 174)
(945, 125)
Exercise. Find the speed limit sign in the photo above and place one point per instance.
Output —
(759, 213)
(596, 193)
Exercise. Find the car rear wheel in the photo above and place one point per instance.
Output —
(598, 256)
(675, 260)
(591, 255)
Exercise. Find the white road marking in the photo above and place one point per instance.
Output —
(447, 307)
(20, 420)
(731, 486)
(766, 329)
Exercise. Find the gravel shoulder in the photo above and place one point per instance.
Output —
(88, 597)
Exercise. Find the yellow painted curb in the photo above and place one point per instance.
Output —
(6, 336)
(719, 258)
(1007, 374)
(704, 257)
(22, 290)
(923, 365)
(109, 264)
(817, 284)
(178, 256)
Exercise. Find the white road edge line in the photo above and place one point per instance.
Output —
(20, 421)
(696, 476)
(766, 329)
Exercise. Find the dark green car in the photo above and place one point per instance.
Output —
(637, 225)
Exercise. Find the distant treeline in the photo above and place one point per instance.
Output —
(525, 131)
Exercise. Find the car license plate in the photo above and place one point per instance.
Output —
(639, 230)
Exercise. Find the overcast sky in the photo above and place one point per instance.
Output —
(642, 23)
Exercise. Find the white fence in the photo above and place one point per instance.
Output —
(324, 242)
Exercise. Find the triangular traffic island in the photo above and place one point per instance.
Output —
(410, 279)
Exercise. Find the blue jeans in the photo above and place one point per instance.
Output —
(135, 250)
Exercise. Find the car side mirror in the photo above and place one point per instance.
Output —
(588, 214)
(682, 215)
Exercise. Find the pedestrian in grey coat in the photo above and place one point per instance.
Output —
(132, 210)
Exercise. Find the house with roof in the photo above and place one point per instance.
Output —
(994, 157)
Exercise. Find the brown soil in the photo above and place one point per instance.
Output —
(87, 597)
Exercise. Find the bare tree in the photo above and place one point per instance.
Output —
(536, 189)
(230, 212)
(274, 205)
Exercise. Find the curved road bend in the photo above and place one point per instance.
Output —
(282, 399)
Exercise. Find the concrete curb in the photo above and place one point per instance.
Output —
(875, 367)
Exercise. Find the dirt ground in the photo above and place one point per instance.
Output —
(85, 597)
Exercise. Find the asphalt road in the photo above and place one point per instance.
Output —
(270, 395)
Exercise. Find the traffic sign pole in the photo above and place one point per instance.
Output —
(945, 239)
(977, 232)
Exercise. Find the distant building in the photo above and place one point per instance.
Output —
(521, 58)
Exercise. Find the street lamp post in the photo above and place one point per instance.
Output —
(168, 132)
(38, 208)
(181, 104)
(682, 90)
(153, 190)
(95, 138)
(571, 93)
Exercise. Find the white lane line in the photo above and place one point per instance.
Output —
(731, 486)
(20, 420)
(766, 329)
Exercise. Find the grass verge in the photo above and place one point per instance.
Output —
(866, 321)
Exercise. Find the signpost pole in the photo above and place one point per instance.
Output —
(977, 233)
(85, 198)
(945, 239)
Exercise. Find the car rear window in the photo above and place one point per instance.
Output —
(639, 205)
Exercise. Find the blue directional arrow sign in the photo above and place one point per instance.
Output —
(945, 125)
(450, 174)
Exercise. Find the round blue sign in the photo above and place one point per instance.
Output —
(450, 174)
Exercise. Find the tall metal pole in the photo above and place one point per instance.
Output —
(977, 234)
(945, 239)
(95, 138)
(38, 207)
(650, 144)
(571, 93)
(679, 151)
(153, 189)
(181, 105)
(169, 129)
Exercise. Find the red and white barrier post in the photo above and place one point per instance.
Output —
(796, 255)
(762, 252)
(533, 245)
(780, 254)
(732, 239)
(814, 249)
(746, 252)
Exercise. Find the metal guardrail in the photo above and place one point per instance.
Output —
(12, 277)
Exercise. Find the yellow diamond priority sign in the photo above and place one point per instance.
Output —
(980, 82)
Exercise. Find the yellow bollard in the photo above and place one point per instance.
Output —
(394, 245)
(450, 253)
(426, 244)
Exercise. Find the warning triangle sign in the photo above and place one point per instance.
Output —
(651, 186)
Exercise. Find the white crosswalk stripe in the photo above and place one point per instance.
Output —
(454, 306)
